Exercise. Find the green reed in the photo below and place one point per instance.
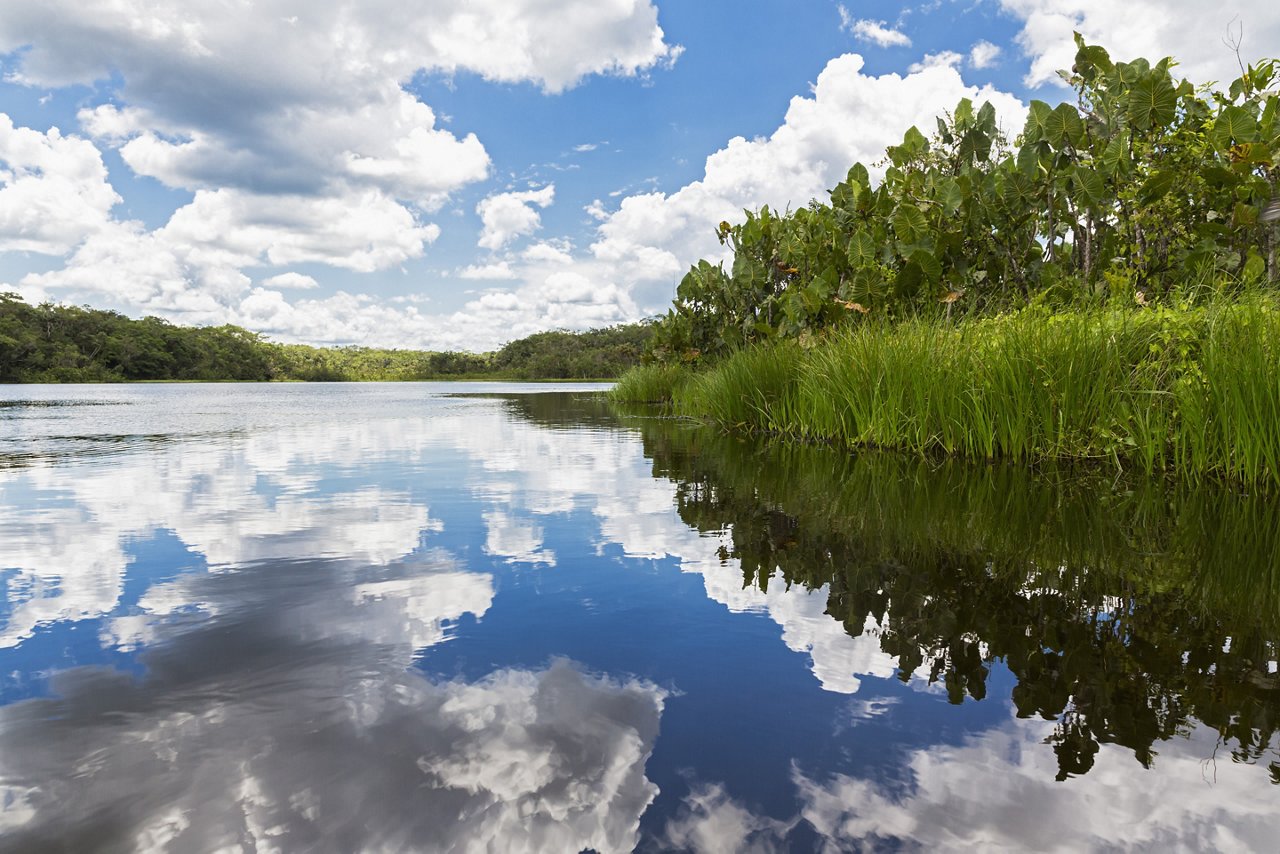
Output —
(1191, 389)
(653, 383)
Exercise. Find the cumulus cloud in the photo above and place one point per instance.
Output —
(644, 244)
(506, 216)
(556, 251)
(495, 271)
(54, 190)
(984, 54)
(295, 281)
(191, 267)
(269, 102)
(877, 32)
(942, 59)
(294, 132)
(1188, 30)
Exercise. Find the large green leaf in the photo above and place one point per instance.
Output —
(1233, 125)
(1037, 116)
(913, 145)
(1063, 126)
(862, 250)
(1029, 158)
(1088, 183)
(929, 265)
(1153, 103)
(1091, 59)
(1115, 157)
(1133, 72)
(950, 195)
(909, 279)
(909, 224)
(1154, 188)
(987, 118)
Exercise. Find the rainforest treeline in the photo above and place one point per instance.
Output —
(54, 343)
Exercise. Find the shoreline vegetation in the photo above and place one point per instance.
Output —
(68, 344)
(1103, 288)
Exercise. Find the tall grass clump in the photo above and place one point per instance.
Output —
(1194, 389)
(883, 386)
(1228, 400)
(653, 383)
(755, 388)
(1024, 386)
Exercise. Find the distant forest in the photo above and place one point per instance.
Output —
(52, 343)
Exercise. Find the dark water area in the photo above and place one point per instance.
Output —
(452, 617)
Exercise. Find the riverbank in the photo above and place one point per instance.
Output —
(1190, 390)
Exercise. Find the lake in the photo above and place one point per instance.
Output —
(481, 617)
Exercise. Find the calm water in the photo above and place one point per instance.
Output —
(503, 618)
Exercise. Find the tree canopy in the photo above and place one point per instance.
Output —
(1145, 183)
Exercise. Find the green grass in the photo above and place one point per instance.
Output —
(649, 383)
(1194, 390)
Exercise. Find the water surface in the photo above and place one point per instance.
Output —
(508, 618)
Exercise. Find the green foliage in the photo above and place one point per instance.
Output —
(1192, 388)
(51, 343)
(594, 354)
(1142, 184)
(652, 383)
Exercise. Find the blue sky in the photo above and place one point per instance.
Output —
(459, 173)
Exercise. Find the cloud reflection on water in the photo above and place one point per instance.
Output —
(262, 495)
(996, 791)
(291, 721)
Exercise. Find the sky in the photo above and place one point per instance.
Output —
(455, 174)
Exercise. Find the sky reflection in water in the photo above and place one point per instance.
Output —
(382, 617)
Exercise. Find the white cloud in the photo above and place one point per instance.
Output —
(54, 190)
(506, 216)
(1190, 31)
(251, 100)
(294, 281)
(984, 54)
(294, 132)
(556, 252)
(942, 59)
(645, 244)
(876, 32)
(597, 211)
(497, 271)
(191, 267)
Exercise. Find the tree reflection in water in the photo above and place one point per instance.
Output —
(1126, 611)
